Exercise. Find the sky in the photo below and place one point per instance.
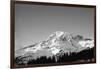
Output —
(34, 23)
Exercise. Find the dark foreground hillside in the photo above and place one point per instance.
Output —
(83, 55)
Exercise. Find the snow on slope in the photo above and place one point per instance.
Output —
(57, 42)
(87, 43)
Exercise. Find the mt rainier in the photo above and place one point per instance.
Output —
(57, 44)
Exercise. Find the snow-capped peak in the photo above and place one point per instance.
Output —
(58, 41)
(56, 34)
(59, 33)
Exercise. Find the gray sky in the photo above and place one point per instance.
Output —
(35, 23)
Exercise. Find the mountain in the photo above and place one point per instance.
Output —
(57, 44)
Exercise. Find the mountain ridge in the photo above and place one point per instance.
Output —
(58, 43)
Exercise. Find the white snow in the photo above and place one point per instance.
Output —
(54, 50)
(87, 43)
(59, 33)
(34, 49)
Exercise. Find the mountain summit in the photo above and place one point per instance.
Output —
(56, 44)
